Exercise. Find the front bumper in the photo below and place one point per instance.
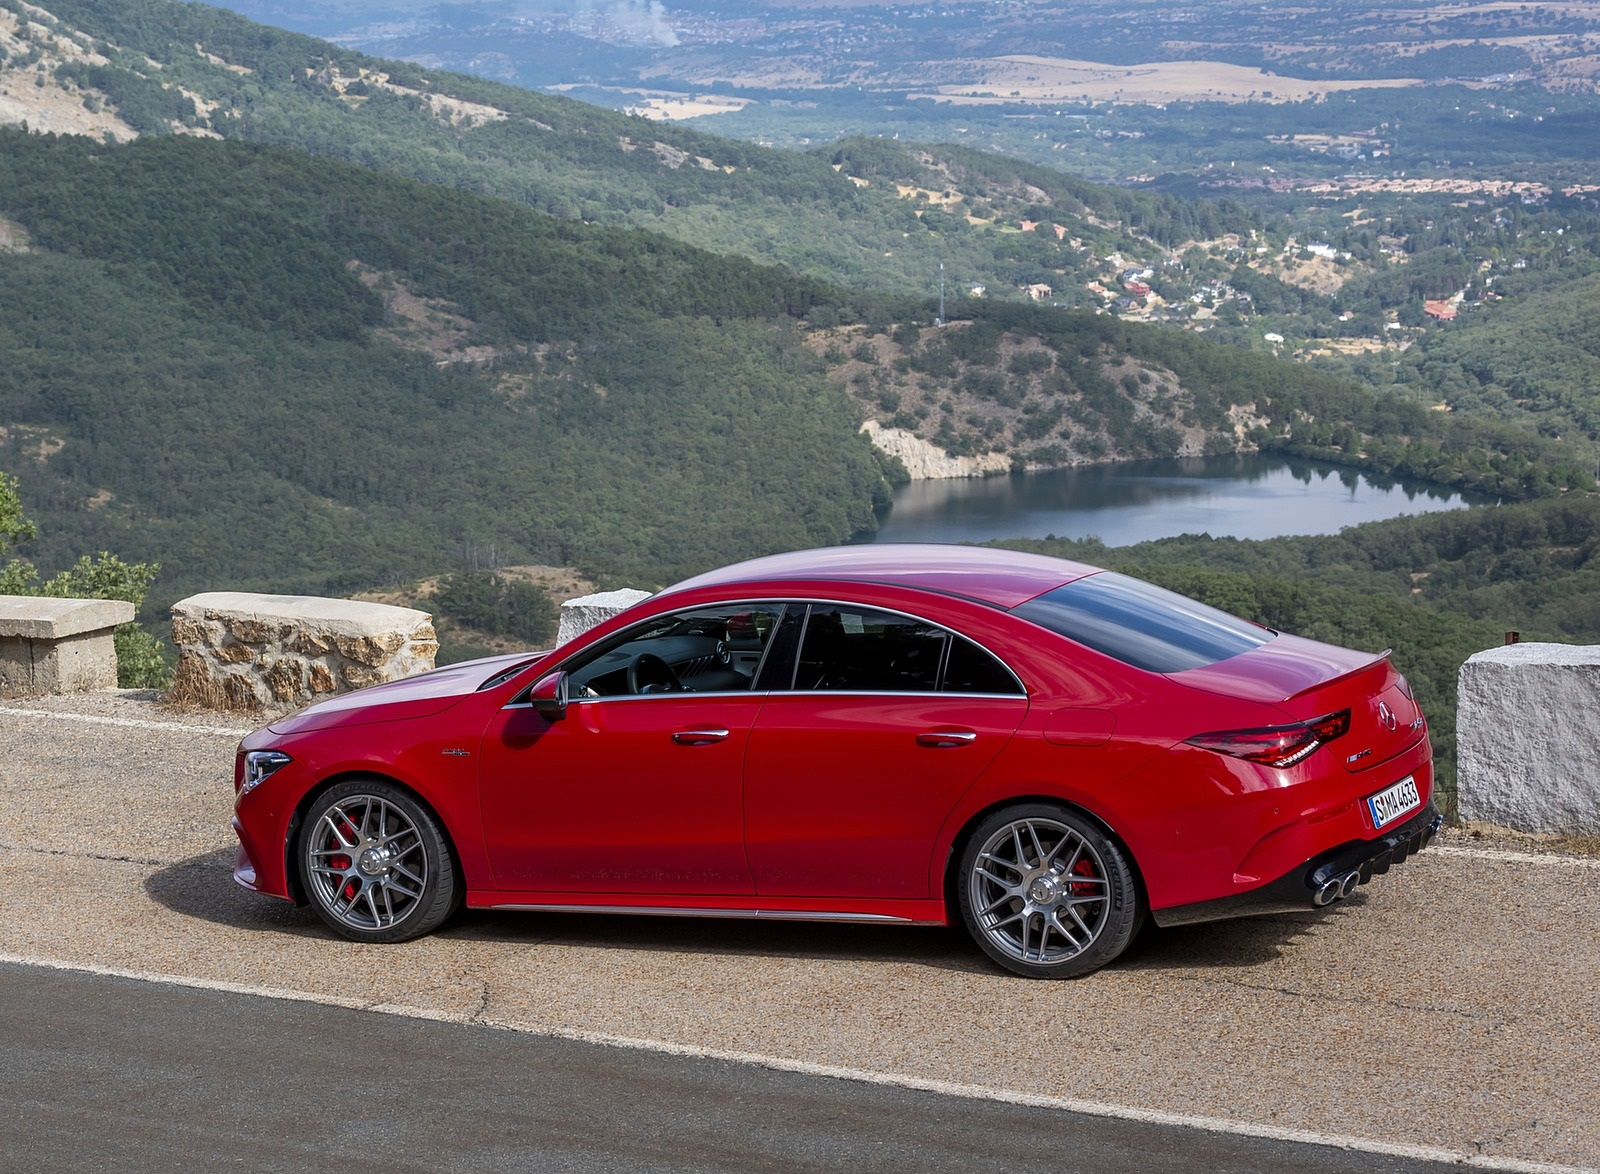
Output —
(1306, 886)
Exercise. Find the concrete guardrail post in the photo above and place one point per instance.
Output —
(50, 645)
(588, 611)
(1528, 737)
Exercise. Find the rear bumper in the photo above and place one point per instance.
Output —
(1307, 886)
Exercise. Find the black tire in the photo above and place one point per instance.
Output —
(375, 864)
(1046, 893)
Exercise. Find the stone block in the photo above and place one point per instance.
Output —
(1528, 737)
(244, 651)
(587, 611)
(59, 645)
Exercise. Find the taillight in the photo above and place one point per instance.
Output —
(1276, 745)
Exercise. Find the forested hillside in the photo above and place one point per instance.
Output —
(261, 368)
(203, 362)
(1536, 364)
(1049, 388)
(871, 213)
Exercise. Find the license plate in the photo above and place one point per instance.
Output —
(1390, 804)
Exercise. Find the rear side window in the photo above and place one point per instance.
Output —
(1141, 624)
(863, 650)
(860, 650)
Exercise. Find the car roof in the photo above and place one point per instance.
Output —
(1002, 578)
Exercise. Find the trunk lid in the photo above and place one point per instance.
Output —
(1307, 679)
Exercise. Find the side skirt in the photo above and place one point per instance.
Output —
(770, 909)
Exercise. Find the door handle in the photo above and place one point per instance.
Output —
(943, 739)
(698, 737)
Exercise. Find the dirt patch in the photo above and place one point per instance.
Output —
(1317, 274)
(1017, 407)
(14, 238)
(1488, 835)
(30, 92)
(415, 323)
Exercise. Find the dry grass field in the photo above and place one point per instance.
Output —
(1056, 79)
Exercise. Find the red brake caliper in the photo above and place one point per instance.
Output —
(341, 861)
(1083, 868)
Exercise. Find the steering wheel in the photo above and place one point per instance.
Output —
(648, 673)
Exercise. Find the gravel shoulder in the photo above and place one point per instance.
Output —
(1451, 1003)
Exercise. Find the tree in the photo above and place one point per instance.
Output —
(14, 528)
(496, 605)
(139, 660)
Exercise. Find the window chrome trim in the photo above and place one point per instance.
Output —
(784, 602)
(1022, 688)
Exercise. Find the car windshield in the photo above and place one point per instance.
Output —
(1141, 624)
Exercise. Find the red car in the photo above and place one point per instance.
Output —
(1046, 751)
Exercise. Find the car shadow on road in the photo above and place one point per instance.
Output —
(1220, 945)
(202, 887)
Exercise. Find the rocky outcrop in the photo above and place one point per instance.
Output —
(246, 652)
(926, 461)
(1528, 737)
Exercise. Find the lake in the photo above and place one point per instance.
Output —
(1238, 496)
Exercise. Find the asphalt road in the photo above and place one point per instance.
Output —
(104, 1073)
(1450, 1012)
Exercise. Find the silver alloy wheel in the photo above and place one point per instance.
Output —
(366, 862)
(1038, 891)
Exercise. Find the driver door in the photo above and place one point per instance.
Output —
(639, 786)
(622, 795)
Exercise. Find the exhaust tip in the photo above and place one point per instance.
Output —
(1348, 883)
(1330, 892)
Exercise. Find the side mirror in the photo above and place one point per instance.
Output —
(549, 696)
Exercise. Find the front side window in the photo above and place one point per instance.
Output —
(700, 650)
(856, 649)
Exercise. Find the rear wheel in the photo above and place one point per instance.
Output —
(1046, 893)
(375, 864)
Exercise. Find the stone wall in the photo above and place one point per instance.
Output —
(1528, 738)
(243, 651)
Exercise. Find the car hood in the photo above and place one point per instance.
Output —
(412, 697)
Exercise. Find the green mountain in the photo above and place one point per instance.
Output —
(868, 212)
(265, 369)
(262, 368)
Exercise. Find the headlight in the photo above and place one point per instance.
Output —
(260, 765)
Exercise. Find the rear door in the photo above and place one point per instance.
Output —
(857, 757)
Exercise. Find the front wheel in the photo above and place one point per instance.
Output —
(1046, 893)
(375, 864)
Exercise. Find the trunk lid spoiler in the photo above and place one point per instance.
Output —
(1283, 669)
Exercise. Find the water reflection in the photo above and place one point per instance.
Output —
(1239, 496)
